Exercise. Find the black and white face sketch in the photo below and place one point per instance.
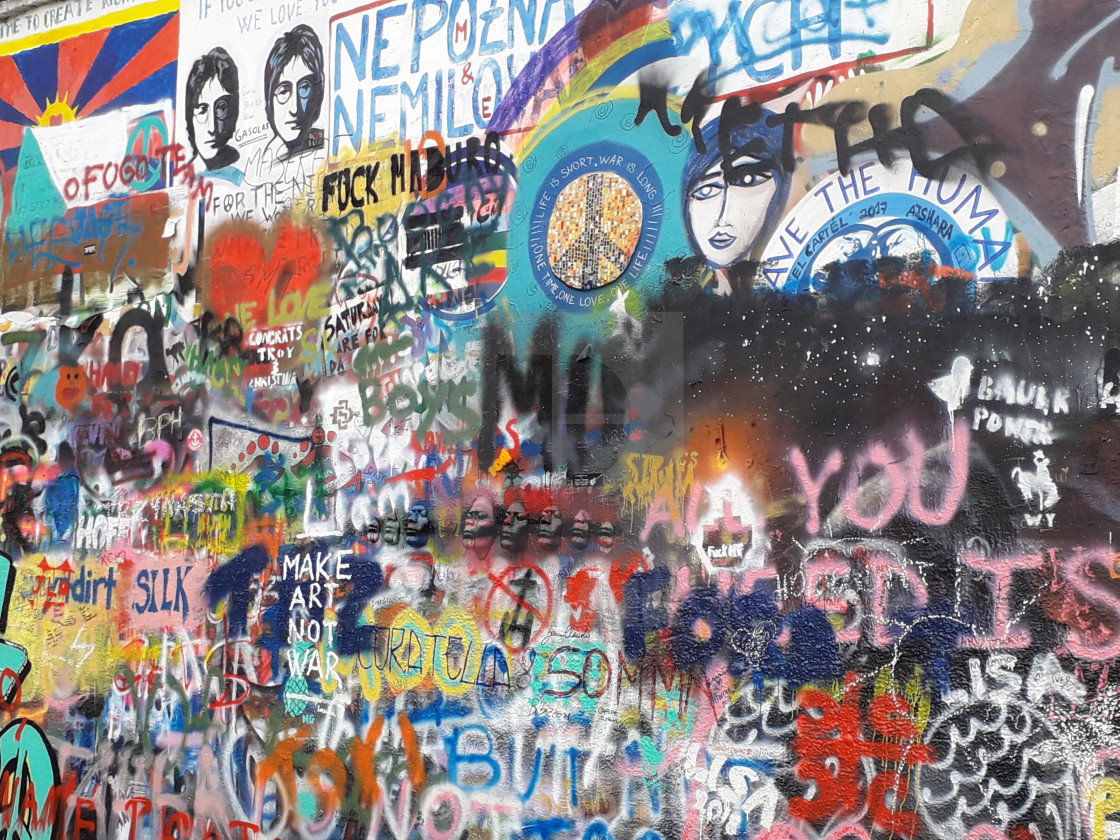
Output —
(212, 104)
(293, 84)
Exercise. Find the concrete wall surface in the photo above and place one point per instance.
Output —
(560, 420)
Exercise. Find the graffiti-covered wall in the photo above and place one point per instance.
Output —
(560, 420)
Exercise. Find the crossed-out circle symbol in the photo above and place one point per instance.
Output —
(512, 595)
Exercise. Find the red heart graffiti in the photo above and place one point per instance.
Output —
(241, 271)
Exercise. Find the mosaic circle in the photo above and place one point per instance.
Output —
(594, 230)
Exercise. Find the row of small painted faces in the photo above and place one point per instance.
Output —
(513, 527)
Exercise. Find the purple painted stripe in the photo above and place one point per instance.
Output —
(547, 59)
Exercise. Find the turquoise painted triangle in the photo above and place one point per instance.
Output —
(35, 195)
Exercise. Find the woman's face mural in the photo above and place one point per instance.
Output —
(733, 190)
(725, 218)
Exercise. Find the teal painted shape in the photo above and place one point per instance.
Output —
(34, 195)
(12, 658)
(25, 754)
